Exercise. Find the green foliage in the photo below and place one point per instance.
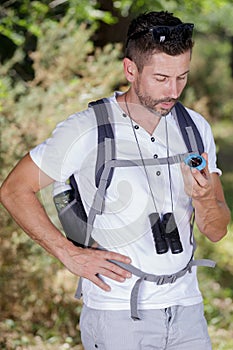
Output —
(208, 15)
(210, 84)
(35, 301)
(217, 284)
(68, 74)
(37, 307)
(21, 16)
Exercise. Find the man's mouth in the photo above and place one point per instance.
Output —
(167, 104)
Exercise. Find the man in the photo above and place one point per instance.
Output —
(156, 64)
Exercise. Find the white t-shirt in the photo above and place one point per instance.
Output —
(134, 193)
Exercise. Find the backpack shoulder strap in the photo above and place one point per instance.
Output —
(189, 130)
(74, 218)
(106, 142)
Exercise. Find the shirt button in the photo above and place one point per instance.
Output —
(152, 139)
(136, 127)
(158, 173)
(155, 156)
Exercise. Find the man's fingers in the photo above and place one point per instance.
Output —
(112, 275)
(97, 264)
(197, 183)
(113, 256)
(96, 279)
(109, 261)
(118, 275)
(200, 177)
(205, 156)
(112, 270)
(117, 270)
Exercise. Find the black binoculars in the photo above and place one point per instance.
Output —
(165, 233)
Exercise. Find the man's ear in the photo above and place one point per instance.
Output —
(130, 69)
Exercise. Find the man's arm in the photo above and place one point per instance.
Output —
(18, 195)
(212, 214)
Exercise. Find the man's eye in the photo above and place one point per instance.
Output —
(161, 79)
(182, 78)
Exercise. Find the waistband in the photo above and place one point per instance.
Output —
(147, 277)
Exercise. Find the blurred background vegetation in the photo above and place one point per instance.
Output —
(55, 57)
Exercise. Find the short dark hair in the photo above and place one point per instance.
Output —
(140, 44)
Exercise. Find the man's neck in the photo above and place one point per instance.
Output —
(138, 113)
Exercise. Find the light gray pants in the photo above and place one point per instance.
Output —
(173, 328)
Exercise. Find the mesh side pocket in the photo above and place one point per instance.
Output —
(74, 222)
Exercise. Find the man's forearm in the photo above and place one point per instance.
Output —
(18, 195)
(30, 215)
(212, 218)
(211, 211)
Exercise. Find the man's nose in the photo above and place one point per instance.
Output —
(173, 89)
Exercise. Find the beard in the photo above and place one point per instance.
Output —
(152, 104)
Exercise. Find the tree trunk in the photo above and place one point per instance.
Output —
(111, 33)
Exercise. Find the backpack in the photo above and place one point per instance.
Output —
(73, 216)
(77, 226)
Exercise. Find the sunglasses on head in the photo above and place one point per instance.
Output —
(162, 34)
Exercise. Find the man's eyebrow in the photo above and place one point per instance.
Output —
(187, 71)
(167, 76)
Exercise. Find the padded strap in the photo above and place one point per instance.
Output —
(185, 123)
(103, 113)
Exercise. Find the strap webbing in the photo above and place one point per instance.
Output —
(158, 279)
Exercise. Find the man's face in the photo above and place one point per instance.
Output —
(161, 82)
